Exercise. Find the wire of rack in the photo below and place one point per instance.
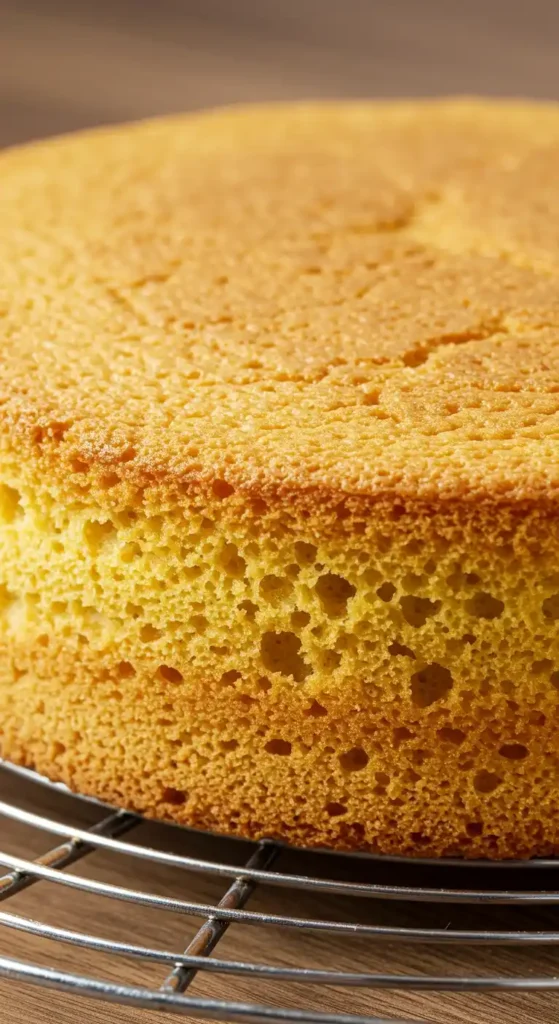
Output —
(179, 969)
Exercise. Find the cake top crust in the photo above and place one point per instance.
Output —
(347, 299)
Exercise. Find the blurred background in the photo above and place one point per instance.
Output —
(67, 64)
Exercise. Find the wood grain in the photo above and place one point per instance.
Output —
(65, 65)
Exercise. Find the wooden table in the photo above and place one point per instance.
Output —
(65, 65)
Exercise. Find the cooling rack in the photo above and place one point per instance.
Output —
(355, 880)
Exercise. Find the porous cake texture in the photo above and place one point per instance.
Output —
(279, 472)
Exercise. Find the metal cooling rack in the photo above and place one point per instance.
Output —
(178, 970)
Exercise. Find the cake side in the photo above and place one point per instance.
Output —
(379, 679)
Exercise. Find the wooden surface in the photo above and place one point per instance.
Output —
(66, 65)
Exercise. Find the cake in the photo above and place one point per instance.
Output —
(279, 472)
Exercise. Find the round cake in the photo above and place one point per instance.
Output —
(279, 472)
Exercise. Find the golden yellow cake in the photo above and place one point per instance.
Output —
(279, 472)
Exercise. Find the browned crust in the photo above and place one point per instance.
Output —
(394, 303)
